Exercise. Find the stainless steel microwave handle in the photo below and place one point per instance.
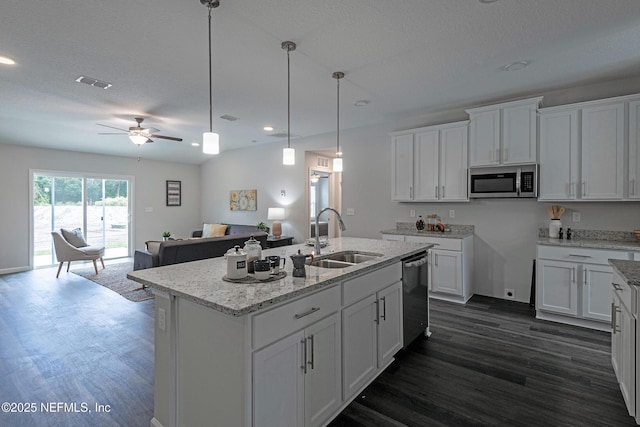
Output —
(518, 181)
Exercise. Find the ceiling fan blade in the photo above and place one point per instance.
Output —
(111, 133)
(166, 137)
(107, 126)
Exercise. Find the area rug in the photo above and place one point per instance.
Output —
(114, 277)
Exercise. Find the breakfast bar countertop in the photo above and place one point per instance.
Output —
(409, 229)
(629, 270)
(201, 281)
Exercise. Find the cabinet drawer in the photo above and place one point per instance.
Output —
(583, 255)
(288, 318)
(439, 242)
(626, 293)
(361, 287)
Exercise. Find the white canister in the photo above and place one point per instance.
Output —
(236, 263)
(554, 228)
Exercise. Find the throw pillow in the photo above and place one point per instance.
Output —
(214, 230)
(74, 237)
(153, 246)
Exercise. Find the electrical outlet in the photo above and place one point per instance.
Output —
(509, 294)
(162, 319)
(351, 211)
(452, 213)
(412, 213)
(575, 217)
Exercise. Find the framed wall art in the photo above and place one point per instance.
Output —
(243, 200)
(174, 193)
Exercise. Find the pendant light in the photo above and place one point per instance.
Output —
(288, 154)
(337, 162)
(210, 140)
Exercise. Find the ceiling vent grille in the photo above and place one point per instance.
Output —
(282, 135)
(229, 118)
(93, 82)
(323, 162)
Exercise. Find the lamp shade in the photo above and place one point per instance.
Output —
(275, 213)
(210, 143)
(138, 139)
(337, 164)
(288, 156)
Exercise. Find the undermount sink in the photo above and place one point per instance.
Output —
(343, 259)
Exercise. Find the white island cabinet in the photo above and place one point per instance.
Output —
(625, 334)
(275, 353)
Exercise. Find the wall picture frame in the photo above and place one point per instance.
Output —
(243, 200)
(174, 193)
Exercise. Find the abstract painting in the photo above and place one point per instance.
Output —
(243, 200)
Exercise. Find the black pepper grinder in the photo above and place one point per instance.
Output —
(568, 233)
(560, 233)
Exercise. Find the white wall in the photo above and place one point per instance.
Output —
(149, 191)
(505, 230)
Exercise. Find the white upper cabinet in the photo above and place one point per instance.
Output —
(634, 150)
(504, 133)
(430, 164)
(582, 150)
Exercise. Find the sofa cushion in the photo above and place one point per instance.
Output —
(234, 229)
(214, 230)
(74, 237)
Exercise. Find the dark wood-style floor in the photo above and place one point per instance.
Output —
(487, 363)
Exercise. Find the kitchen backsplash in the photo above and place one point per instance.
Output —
(455, 228)
(576, 234)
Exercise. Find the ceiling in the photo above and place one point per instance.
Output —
(407, 57)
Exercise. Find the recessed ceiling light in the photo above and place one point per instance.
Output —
(362, 103)
(268, 128)
(6, 60)
(195, 144)
(515, 66)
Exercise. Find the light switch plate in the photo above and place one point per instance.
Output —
(575, 217)
(351, 211)
(412, 213)
(452, 213)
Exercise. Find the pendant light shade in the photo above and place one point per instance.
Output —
(210, 140)
(288, 154)
(337, 162)
(210, 143)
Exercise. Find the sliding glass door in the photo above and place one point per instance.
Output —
(100, 207)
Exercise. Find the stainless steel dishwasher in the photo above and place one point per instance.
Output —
(415, 297)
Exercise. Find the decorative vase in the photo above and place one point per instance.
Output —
(420, 223)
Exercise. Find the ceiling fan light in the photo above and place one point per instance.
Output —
(138, 139)
(337, 164)
(210, 143)
(288, 156)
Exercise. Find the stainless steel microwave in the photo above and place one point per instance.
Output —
(503, 181)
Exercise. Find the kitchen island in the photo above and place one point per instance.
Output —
(290, 352)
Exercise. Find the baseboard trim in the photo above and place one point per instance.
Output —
(13, 270)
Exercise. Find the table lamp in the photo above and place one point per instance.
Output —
(276, 214)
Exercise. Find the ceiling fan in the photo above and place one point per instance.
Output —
(137, 134)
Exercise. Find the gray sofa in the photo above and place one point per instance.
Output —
(178, 251)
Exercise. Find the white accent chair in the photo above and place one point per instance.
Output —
(66, 252)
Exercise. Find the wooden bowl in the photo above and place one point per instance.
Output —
(637, 233)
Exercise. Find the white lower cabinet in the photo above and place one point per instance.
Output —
(372, 334)
(297, 379)
(573, 285)
(446, 272)
(624, 342)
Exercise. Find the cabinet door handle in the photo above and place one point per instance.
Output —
(498, 155)
(613, 318)
(437, 192)
(377, 318)
(306, 313)
(632, 190)
(384, 308)
(311, 362)
(571, 188)
(584, 188)
(505, 154)
(580, 256)
(303, 341)
(617, 287)
(435, 259)
(573, 275)
(443, 196)
(584, 276)
(411, 192)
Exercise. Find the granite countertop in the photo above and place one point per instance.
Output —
(409, 229)
(629, 270)
(597, 239)
(201, 281)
